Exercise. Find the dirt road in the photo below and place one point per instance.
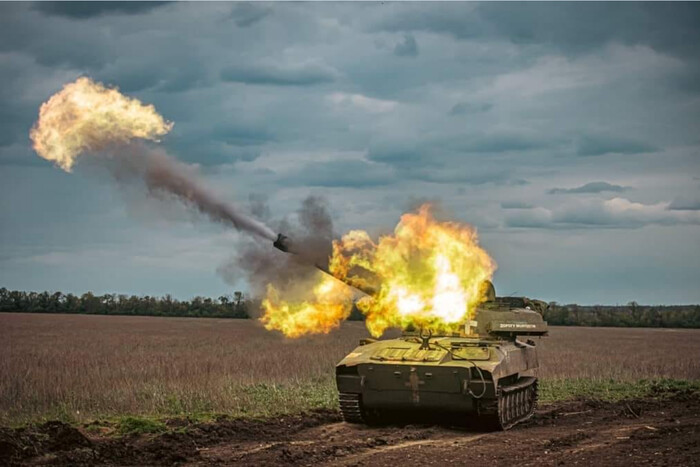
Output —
(641, 432)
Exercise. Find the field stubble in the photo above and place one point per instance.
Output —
(82, 367)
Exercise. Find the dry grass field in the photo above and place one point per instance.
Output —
(82, 367)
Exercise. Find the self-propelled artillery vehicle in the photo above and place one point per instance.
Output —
(483, 372)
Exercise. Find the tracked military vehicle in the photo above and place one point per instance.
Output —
(483, 372)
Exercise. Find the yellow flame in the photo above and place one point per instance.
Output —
(428, 274)
(331, 304)
(87, 116)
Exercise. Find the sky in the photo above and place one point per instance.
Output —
(567, 134)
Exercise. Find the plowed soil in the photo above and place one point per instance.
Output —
(640, 432)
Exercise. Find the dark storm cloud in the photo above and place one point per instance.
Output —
(614, 213)
(24, 31)
(241, 134)
(139, 76)
(222, 142)
(592, 187)
(570, 27)
(603, 144)
(85, 10)
(19, 155)
(246, 14)
(17, 112)
(519, 182)
(13, 122)
(135, 79)
(465, 108)
(450, 148)
(486, 116)
(342, 173)
(469, 176)
(578, 27)
(685, 204)
(594, 216)
(398, 155)
(441, 18)
(407, 48)
(516, 205)
(529, 218)
(504, 142)
(210, 153)
(281, 75)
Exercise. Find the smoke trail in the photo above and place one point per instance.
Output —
(294, 276)
(87, 119)
(260, 265)
(163, 174)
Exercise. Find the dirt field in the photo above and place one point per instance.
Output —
(642, 432)
(77, 367)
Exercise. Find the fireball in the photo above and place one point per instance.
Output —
(331, 303)
(87, 116)
(428, 274)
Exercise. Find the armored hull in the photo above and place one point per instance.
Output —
(485, 374)
(482, 371)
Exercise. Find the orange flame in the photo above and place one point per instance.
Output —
(87, 116)
(428, 274)
(331, 304)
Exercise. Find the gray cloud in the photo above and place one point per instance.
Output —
(29, 32)
(85, 10)
(398, 155)
(685, 204)
(519, 182)
(572, 28)
(211, 153)
(287, 75)
(592, 187)
(340, 173)
(600, 145)
(246, 14)
(469, 176)
(464, 108)
(407, 48)
(484, 124)
(581, 27)
(613, 213)
(516, 205)
(241, 134)
(529, 218)
(451, 152)
(503, 142)
(13, 118)
(443, 18)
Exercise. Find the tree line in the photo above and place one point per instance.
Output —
(630, 315)
(233, 306)
(237, 306)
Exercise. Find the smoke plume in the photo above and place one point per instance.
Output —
(87, 119)
(311, 229)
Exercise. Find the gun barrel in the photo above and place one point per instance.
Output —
(283, 243)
